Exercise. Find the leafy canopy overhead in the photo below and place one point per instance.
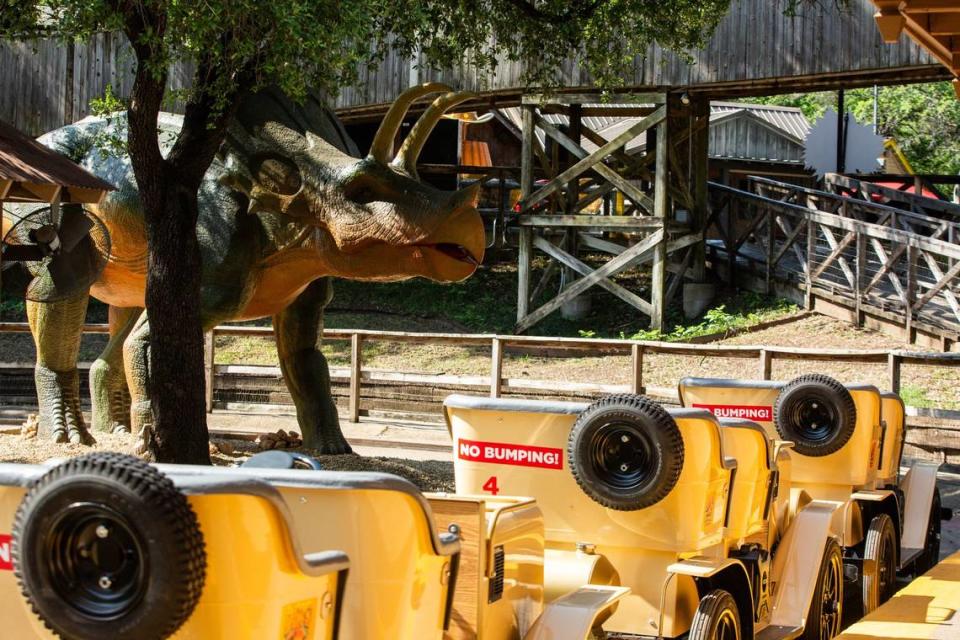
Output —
(324, 44)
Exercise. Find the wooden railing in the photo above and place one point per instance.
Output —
(906, 277)
(867, 188)
(498, 345)
(933, 226)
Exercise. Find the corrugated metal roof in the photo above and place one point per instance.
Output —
(23, 159)
(788, 120)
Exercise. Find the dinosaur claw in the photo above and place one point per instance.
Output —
(59, 436)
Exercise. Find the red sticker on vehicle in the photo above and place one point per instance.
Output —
(744, 411)
(514, 454)
(6, 560)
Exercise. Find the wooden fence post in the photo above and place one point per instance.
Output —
(496, 367)
(356, 366)
(209, 368)
(766, 364)
(893, 371)
(636, 382)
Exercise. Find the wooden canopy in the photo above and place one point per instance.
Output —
(31, 172)
(933, 24)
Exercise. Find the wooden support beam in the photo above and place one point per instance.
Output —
(637, 224)
(595, 158)
(576, 265)
(524, 255)
(661, 210)
(629, 190)
(623, 261)
(838, 249)
(595, 98)
(548, 273)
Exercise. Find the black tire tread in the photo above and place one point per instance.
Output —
(662, 420)
(811, 631)
(170, 508)
(848, 409)
(710, 606)
(880, 526)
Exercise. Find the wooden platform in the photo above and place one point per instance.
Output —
(926, 609)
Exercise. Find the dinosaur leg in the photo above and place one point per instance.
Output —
(298, 330)
(108, 382)
(57, 328)
(136, 364)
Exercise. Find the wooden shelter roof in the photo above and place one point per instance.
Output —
(31, 172)
(933, 24)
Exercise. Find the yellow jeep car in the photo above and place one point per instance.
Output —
(683, 509)
(108, 545)
(848, 442)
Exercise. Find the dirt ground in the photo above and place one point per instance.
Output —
(921, 385)
(428, 475)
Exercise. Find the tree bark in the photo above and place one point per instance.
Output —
(177, 381)
(169, 194)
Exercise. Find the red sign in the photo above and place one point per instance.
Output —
(514, 454)
(743, 411)
(6, 561)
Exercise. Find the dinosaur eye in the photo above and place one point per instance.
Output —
(277, 174)
(361, 190)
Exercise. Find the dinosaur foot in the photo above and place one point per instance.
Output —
(119, 428)
(73, 435)
(329, 446)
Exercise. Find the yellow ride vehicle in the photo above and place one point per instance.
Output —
(108, 545)
(848, 442)
(680, 507)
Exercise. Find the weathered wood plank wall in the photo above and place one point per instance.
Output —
(755, 50)
(46, 84)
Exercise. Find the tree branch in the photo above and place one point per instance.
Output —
(578, 11)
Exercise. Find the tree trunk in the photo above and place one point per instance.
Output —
(176, 331)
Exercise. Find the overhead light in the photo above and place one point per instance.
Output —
(685, 99)
(470, 117)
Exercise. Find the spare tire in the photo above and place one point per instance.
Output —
(105, 545)
(816, 413)
(626, 452)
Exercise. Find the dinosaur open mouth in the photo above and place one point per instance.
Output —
(456, 251)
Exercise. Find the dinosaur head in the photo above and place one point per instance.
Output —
(372, 218)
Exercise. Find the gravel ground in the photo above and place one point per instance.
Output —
(428, 475)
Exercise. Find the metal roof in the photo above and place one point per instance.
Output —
(31, 172)
(788, 122)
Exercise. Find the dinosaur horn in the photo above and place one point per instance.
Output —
(410, 149)
(382, 146)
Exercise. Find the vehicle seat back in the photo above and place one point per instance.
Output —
(489, 436)
(750, 489)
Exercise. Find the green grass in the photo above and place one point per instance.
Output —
(486, 303)
(914, 396)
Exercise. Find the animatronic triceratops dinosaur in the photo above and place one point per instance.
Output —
(285, 203)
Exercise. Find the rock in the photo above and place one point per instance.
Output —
(31, 427)
(226, 447)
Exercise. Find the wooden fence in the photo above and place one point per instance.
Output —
(495, 384)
